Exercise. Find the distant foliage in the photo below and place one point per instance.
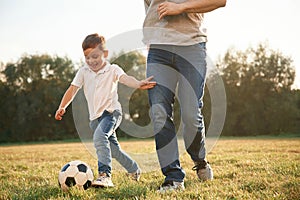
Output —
(31, 90)
(259, 96)
(258, 83)
(134, 64)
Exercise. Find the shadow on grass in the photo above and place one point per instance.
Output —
(127, 192)
(47, 192)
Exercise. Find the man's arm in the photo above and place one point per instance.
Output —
(190, 6)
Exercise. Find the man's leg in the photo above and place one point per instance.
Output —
(191, 64)
(192, 67)
(161, 99)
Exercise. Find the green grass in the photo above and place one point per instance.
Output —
(243, 169)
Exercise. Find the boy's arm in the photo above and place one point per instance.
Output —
(190, 6)
(130, 81)
(66, 100)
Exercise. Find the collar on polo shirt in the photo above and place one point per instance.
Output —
(106, 68)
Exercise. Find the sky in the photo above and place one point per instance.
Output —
(58, 27)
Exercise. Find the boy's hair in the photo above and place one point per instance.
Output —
(92, 41)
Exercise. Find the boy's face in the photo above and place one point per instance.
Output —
(95, 58)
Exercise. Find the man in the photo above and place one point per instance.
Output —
(174, 32)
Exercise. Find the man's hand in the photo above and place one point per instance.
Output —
(147, 84)
(59, 113)
(169, 8)
(191, 6)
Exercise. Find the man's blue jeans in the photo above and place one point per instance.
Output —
(107, 145)
(177, 70)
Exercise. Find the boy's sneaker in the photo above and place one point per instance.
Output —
(135, 175)
(170, 186)
(103, 181)
(203, 169)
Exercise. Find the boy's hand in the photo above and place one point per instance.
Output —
(59, 113)
(147, 84)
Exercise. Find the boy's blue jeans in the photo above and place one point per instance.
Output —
(177, 70)
(107, 145)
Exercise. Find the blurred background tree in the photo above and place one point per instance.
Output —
(31, 90)
(260, 99)
(258, 84)
(134, 64)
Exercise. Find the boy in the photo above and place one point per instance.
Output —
(99, 80)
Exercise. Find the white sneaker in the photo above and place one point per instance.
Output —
(204, 171)
(135, 175)
(103, 181)
(171, 186)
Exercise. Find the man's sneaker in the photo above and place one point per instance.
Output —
(171, 186)
(135, 175)
(103, 181)
(204, 171)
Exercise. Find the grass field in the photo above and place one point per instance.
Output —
(243, 169)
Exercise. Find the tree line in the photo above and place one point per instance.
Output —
(257, 82)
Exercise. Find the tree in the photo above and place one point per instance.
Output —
(32, 88)
(258, 87)
(133, 63)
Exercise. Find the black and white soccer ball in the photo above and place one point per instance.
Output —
(75, 173)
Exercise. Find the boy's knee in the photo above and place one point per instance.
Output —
(100, 136)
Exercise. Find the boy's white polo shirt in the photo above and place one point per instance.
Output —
(100, 89)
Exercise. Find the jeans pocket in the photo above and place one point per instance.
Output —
(93, 124)
(116, 113)
(118, 117)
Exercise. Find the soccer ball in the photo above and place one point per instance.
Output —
(75, 173)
